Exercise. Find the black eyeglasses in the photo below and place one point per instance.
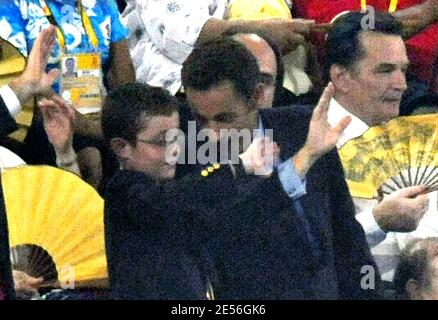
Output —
(160, 142)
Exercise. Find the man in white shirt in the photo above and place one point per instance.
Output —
(367, 67)
(162, 34)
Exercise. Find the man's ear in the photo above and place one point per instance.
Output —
(121, 148)
(259, 97)
(412, 290)
(341, 78)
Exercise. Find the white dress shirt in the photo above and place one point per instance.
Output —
(9, 159)
(11, 100)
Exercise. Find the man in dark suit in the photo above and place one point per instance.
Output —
(282, 242)
(32, 82)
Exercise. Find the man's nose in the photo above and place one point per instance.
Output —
(214, 128)
(399, 81)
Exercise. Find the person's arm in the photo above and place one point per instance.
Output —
(26, 287)
(374, 234)
(399, 212)
(294, 184)
(416, 18)
(321, 137)
(58, 120)
(122, 69)
(194, 193)
(147, 203)
(89, 127)
(402, 210)
(32, 82)
(287, 33)
(35, 80)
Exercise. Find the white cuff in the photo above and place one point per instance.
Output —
(11, 100)
(374, 233)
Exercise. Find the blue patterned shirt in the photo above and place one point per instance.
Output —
(21, 21)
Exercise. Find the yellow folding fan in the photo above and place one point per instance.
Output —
(401, 153)
(55, 223)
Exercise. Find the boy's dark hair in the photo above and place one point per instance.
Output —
(125, 107)
(222, 59)
(343, 46)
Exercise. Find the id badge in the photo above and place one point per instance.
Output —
(81, 81)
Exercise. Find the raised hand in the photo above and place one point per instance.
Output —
(322, 137)
(35, 80)
(58, 120)
(25, 285)
(260, 157)
(402, 210)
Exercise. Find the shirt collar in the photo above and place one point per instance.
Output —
(355, 129)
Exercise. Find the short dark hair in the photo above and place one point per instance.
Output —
(415, 263)
(244, 29)
(343, 46)
(125, 107)
(221, 59)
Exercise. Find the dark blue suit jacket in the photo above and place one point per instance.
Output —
(260, 251)
(7, 123)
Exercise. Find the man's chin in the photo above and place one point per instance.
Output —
(168, 173)
(391, 109)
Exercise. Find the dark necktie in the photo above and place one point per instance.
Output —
(309, 232)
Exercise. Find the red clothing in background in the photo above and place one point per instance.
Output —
(421, 48)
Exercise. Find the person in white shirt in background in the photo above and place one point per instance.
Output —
(162, 34)
(367, 68)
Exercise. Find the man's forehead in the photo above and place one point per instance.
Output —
(379, 48)
(381, 43)
(157, 123)
(217, 99)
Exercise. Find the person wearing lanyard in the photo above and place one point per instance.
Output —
(83, 27)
